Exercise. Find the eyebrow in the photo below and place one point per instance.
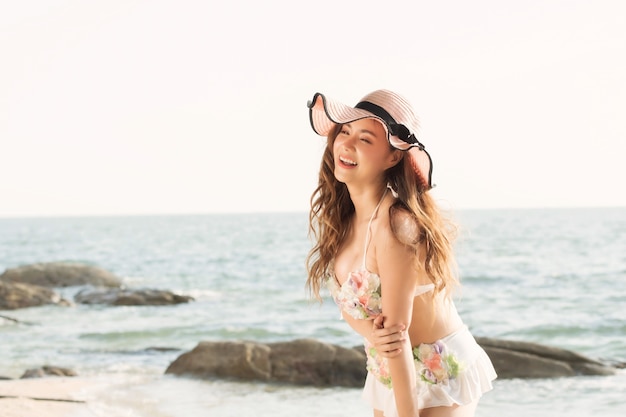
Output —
(363, 130)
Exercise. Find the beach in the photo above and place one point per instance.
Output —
(134, 396)
(51, 397)
(544, 276)
(156, 396)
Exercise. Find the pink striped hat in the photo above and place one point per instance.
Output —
(392, 110)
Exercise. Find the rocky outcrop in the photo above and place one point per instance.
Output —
(307, 361)
(302, 362)
(128, 297)
(515, 359)
(16, 295)
(28, 286)
(48, 371)
(60, 274)
(310, 362)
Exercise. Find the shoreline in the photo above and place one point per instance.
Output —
(77, 396)
(52, 396)
(127, 394)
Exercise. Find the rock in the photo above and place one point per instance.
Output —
(16, 295)
(515, 359)
(47, 371)
(300, 362)
(61, 274)
(160, 349)
(240, 360)
(128, 297)
(310, 362)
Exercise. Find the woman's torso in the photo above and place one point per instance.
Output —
(433, 314)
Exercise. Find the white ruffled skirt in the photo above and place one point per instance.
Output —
(474, 379)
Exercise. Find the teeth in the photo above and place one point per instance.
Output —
(347, 161)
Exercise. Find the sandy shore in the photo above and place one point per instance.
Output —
(38, 397)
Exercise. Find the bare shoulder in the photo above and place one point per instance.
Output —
(395, 253)
(404, 225)
(396, 236)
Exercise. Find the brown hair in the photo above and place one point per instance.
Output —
(331, 208)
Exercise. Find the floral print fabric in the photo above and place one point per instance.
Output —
(359, 296)
(434, 364)
(377, 365)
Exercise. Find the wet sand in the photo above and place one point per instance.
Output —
(38, 397)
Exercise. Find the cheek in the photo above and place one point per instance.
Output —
(336, 145)
(378, 153)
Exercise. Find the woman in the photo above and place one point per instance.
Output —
(384, 251)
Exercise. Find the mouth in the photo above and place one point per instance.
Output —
(347, 161)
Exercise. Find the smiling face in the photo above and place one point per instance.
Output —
(362, 153)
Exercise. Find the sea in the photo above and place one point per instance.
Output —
(551, 276)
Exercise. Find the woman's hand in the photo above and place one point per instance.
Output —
(387, 340)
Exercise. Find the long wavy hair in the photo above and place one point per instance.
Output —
(332, 208)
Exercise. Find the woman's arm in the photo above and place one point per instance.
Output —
(387, 339)
(397, 269)
(362, 327)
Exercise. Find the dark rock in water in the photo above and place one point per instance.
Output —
(16, 295)
(310, 362)
(48, 371)
(128, 297)
(160, 349)
(240, 360)
(153, 350)
(61, 274)
(301, 362)
(515, 359)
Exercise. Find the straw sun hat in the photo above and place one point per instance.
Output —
(396, 115)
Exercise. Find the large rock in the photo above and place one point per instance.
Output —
(240, 360)
(128, 297)
(302, 362)
(310, 362)
(515, 359)
(61, 274)
(16, 295)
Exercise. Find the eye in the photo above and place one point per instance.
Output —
(344, 132)
(366, 140)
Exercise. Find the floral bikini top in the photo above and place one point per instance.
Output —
(360, 294)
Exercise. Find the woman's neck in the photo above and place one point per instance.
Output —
(365, 201)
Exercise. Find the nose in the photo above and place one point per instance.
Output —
(347, 140)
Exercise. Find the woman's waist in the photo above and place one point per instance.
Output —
(460, 334)
(425, 329)
(435, 362)
(418, 335)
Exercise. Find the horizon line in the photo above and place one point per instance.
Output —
(260, 212)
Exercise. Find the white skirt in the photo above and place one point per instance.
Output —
(469, 385)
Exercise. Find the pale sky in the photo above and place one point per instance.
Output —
(159, 107)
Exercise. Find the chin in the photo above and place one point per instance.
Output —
(339, 177)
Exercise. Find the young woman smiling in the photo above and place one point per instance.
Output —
(384, 251)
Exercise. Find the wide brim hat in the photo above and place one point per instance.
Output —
(392, 110)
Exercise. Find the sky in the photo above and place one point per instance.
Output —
(189, 107)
